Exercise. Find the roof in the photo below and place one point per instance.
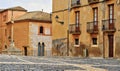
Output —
(35, 15)
(1, 10)
(17, 8)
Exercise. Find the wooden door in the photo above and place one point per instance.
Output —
(111, 47)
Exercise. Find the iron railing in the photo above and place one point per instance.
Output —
(74, 29)
(92, 1)
(75, 3)
(92, 27)
(108, 25)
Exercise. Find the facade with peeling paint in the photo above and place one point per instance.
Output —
(90, 28)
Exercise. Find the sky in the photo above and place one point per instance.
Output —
(30, 5)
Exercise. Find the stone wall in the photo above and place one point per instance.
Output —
(34, 39)
(59, 47)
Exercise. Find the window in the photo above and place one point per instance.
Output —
(78, 1)
(111, 9)
(77, 13)
(4, 18)
(5, 46)
(76, 41)
(95, 15)
(94, 41)
(41, 29)
(75, 2)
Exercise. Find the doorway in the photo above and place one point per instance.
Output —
(111, 47)
(25, 51)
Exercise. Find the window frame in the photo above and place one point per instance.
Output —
(78, 42)
(111, 13)
(94, 41)
(95, 15)
(41, 30)
(77, 18)
(4, 17)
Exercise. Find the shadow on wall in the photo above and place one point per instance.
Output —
(117, 49)
(59, 47)
(83, 50)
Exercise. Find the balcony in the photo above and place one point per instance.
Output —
(74, 29)
(105, 0)
(75, 3)
(92, 27)
(108, 25)
(93, 1)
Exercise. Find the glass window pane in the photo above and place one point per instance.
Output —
(76, 41)
(94, 41)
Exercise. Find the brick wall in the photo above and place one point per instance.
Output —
(3, 27)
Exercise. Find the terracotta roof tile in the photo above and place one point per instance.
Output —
(1, 10)
(35, 15)
(17, 8)
(14, 8)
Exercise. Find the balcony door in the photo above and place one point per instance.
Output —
(95, 19)
(77, 13)
(111, 16)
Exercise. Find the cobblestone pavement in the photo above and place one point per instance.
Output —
(22, 63)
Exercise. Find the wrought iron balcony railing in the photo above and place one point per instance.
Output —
(74, 29)
(108, 25)
(92, 27)
(93, 1)
(75, 3)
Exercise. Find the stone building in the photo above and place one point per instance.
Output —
(30, 29)
(86, 28)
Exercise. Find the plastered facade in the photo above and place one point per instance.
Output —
(85, 38)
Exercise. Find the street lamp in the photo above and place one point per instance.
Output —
(57, 17)
(62, 22)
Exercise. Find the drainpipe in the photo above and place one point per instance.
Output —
(68, 28)
(103, 28)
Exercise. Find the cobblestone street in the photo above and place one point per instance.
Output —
(22, 63)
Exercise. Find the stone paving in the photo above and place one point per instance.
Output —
(23, 63)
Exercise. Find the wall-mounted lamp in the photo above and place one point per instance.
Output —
(61, 22)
